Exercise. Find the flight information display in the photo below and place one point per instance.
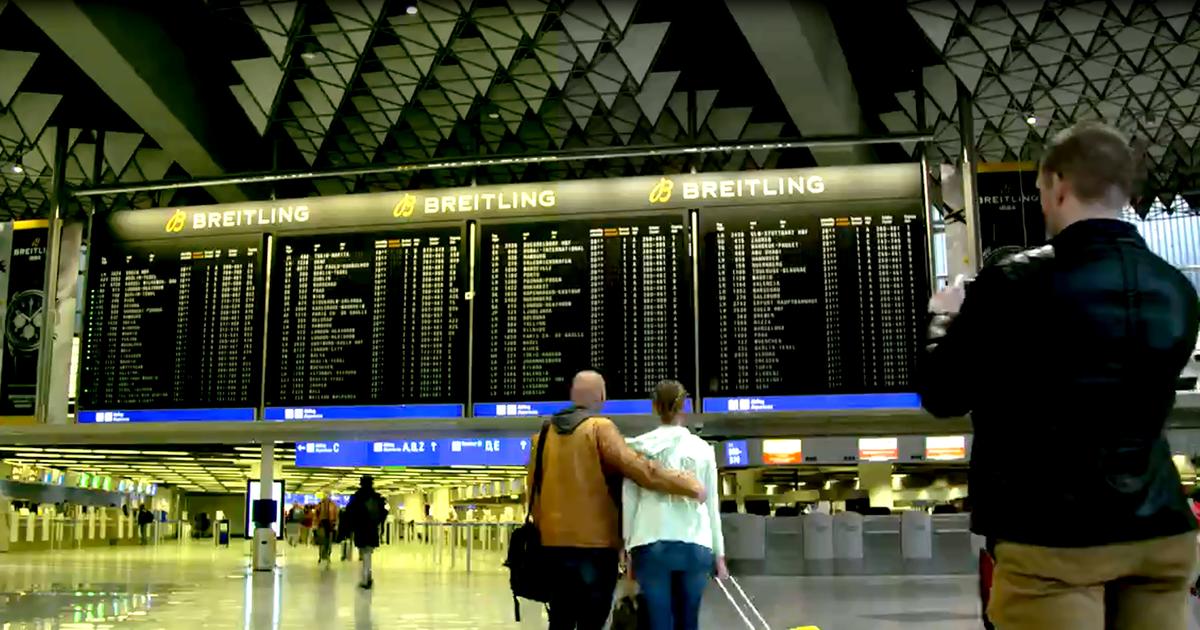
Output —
(173, 331)
(370, 323)
(809, 307)
(612, 295)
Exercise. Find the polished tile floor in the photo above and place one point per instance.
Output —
(195, 585)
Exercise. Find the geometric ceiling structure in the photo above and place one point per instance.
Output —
(356, 82)
(1034, 68)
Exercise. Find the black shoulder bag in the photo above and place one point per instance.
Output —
(526, 564)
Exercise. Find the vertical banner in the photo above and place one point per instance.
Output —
(23, 318)
(1010, 207)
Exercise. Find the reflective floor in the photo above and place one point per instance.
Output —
(195, 585)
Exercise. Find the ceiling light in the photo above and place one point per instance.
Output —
(17, 168)
(411, 10)
(308, 56)
(494, 115)
(1031, 119)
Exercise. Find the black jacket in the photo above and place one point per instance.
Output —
(1066, 357)
(362, 517)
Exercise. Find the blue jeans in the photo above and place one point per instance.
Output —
(672, 577)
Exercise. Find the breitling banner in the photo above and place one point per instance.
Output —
(1010, 207)
(22, 274)
(831, 184)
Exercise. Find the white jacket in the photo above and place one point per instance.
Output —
(649, 516)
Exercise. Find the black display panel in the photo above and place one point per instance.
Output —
(173, 324)
(368, 319)
(613, 295)
(811, 299)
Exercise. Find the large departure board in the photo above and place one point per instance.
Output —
(815, 300)
(173, 324)
(611, 295)
(368, 319)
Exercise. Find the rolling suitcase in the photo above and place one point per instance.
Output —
(745, 609)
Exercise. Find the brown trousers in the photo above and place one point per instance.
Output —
(1132, 586)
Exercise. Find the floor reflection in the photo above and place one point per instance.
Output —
(197, 587)
(61, 606)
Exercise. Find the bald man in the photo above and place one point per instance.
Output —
(583, 463)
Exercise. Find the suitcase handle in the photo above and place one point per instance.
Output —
(749, 605)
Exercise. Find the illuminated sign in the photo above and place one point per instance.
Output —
(871, 182)
(241, 217)
(946, 447)
(430, 453)
(488, 201)
(878, 449)
(783, 451)
(736, 454)
(829, 402)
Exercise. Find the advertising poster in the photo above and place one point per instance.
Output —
(783, 452)
(24, 273)
(1010, 207)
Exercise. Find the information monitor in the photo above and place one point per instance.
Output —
(368, 325)
(613, 295)
(811, 306)
(173, 330)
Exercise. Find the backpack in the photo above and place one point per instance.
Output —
(373, 508)
(527, 573)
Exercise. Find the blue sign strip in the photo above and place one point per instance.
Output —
(166, 415)
(635, 407)
(736, 454)
(365, 412)
(834, 402)
(431, 453)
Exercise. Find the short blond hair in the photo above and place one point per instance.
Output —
(1095, 158)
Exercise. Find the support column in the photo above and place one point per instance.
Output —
(58, 194)
(966, 130)
(876, 479)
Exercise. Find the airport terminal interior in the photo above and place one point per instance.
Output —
(253, 252)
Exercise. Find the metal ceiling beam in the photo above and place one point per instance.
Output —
(132, 59)
(798, 48)
(570, 155)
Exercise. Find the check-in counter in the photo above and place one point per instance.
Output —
(849, 544)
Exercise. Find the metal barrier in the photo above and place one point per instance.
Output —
(465, 539)
(90, 529)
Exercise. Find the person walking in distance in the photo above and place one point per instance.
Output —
(326, 520)
(145, 518)
(575, 510)
(364, 515)
(1066, 357)
(676, 545)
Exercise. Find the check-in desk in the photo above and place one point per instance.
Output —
(850, 544)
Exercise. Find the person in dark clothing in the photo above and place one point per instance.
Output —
(1066, 357)
(145, 518)
(362, 519)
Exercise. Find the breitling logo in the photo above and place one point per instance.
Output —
(661, 193)
(176, 222)
(404, 208)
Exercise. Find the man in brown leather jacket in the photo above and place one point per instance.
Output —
(584, 461)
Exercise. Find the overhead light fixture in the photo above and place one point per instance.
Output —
(1031, 119)
(17, 168)
(411, 9)
(308, 56)
(494, 115)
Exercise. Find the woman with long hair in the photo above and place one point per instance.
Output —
(675, 544)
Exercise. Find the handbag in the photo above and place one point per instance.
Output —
(527, 572)
(629, 611)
